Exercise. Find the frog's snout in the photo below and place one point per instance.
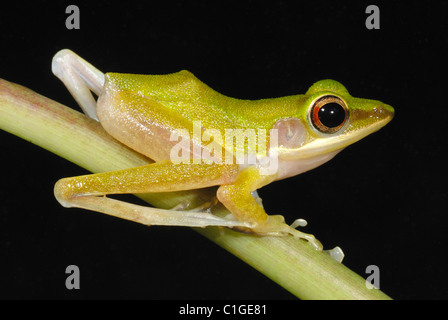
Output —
(384, 112)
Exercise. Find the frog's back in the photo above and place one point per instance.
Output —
(143, 111)
(181, 94)
(166, 87)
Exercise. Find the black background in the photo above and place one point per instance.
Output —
(383, 200)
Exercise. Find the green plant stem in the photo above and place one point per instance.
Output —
(290, 262)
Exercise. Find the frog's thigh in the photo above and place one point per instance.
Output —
(88, 192)
(79, 77)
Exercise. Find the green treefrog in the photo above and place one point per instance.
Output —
(200, 138)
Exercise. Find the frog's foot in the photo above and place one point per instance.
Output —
(336, 253)
(276, 226)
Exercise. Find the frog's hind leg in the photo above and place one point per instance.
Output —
(239, 197)
(80, 78)
(89, 192)
(155, 216)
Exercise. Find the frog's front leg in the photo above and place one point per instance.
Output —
(238, 198)
(80, 78)
(89, 192)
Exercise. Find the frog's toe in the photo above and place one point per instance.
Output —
(336, 253)
(308, 237)
(298, 234)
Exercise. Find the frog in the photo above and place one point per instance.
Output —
(189, 130)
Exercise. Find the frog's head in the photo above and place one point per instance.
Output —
(329, 119)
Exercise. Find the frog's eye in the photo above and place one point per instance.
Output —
(329, 114)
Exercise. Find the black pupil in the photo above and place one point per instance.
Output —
(331, 115)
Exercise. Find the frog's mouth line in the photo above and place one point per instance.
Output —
(329, 144)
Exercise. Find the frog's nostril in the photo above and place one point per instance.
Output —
(384, 111)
